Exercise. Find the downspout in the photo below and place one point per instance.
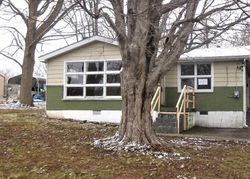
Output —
(244, 94)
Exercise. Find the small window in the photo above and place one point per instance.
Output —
(187, 69)
(94, 91)
(95, 66)
(203, 69)
(94, 79)
(203, 83)
(74, 91)
(198, 76)
(75, 67)
(187, 81)
(75, 79)
(114, 65)
(113, 78)
(114, 91)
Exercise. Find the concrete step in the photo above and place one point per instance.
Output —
(165, 124)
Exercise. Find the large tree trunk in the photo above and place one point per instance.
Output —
(27, 75)
(136, 124)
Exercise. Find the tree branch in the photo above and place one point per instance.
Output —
(11, 58)
(18, 12)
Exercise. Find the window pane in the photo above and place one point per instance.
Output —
(203, 83)
(95, 66)
(114, 65)
(74, 91)
(94, 79)
(113, 78)
(114, 91)
(94, 91)
(75, 67)
(204, 69)
(187, 81)
(74, 79)
(187, 69)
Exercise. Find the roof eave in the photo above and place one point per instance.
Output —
(220, 58)
(44, 58)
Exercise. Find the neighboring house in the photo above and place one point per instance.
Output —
(83, 83)
(38, 86)
(2, 86)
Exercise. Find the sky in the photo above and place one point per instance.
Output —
(7, 65)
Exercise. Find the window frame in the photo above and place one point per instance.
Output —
(196, 76)
(105, 72)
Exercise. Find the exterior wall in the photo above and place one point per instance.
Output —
(220, 100)
(93, 51)
(90, 110)
(2, 86)
(220, 119)
(107, 116)
(55, 102)
(223, 110)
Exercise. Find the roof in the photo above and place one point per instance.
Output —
(76, 45)
(2, 76)
(217, 54)
(204, 54)
(16, 80)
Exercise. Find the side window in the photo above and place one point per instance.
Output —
(198, 76)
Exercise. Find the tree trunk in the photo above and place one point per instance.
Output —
(136, 124)
(27, 75)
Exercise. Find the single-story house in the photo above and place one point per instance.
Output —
(2, 86)
(83, 83)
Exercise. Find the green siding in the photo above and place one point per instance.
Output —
(55, 102)
(219, 100)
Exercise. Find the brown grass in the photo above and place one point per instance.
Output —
(32, 146)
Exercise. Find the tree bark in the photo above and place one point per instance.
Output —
(136, 123)
(27, 75)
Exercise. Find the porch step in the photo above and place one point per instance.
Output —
(165, 124)
(173, 109)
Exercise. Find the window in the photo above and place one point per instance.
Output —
(199, 76)
(92, 79)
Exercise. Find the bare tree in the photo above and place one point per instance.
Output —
(148, 53)
(38, 17)
(241, 35)
(78, 24)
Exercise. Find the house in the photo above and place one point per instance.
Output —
(2, 86)
(38, 86)
(83, 83)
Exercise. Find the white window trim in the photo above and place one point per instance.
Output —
(104, 85)
(195, 76)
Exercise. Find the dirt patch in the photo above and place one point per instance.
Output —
(33, 146)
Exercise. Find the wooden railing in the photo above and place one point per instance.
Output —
(156, 100)
(183, 104)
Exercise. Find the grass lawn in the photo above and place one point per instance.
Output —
(32, 146)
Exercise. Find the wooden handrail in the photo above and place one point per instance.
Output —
(183, 103)
(180, 97)
(156, 100)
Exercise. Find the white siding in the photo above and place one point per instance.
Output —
(228, 74)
